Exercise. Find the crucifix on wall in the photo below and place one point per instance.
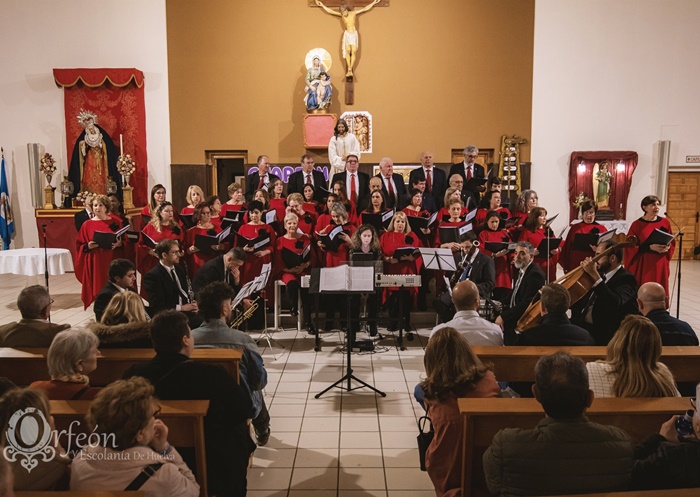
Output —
(351, 39)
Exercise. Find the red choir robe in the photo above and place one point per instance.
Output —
(503, 266)
(644, 264)
(426, 240)
(297, 246)
(571, 259)
(436, 239)
(253, 264)
(388, 243)
(279, 205)
(333, 259)
(541, 259)
(444, 213)
(92, 266)
(145, 261)
(480, 217)
(187, 211)
(226, 207)
(198, 259)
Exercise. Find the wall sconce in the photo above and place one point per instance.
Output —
(581, 168)
(620, 167)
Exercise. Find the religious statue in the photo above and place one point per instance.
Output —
(318, 86)
(601, 184)
(342, 143)
(351, 40)
(94, 156)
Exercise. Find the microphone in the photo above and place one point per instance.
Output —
(671, 219)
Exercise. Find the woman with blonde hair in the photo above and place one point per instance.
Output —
(71, 358)
(452, 371)
(631, 367)
(124, 323)
(194, 195)
(235, 202)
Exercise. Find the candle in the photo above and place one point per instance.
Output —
(121, 145)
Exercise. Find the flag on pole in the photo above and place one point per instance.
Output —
(7, 223)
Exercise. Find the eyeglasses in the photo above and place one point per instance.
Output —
(351, 161)
(173, 252)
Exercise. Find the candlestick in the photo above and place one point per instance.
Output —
(121, 145)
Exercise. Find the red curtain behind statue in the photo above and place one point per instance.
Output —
(117, 97)
(582, 181)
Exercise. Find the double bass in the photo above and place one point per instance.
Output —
(577, 281)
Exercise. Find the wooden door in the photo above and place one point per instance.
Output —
(684, 208)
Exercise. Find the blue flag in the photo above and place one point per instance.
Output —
(7, 223)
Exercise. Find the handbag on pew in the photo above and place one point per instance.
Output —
(424, 438)
(143, 477)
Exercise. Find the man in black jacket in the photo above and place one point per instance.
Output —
(435, 179)
(122, 276)
(613, 296)
(307, 175)
(555, 328)
(177, 377)
(259, 179)
(469, 169)
(653, 302)
(525, 288)
(226, 267)
(361, 180)
(393, 185)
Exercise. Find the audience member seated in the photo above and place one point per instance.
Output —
(476, 330)
(133, 452)
(214, 333)
(124, 323)
(631, 367)
(669, 459)
(452, 371)
(226, 267)
(71, 358)
(49, 473)
(565, 453)
(122, 276)
(34, 329)
(555, 328)
(612, 297)
(653, 302)
(177, 377)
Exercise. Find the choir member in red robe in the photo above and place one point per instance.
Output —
(501, 259)
(194, 196)
(306, 219)
(526, 202)
(399, 235)
(570, 258)
(310, 202)
(415, 208)
(534, 232)
(157, 198)
(650, 262)
(339, 189)
(236, 200)
(278, 201)
(452, 193)
(92, 264)
(162, 226)
(296, 243)
(263, 255)
(377, 205)
(490, 202)
(214, 205)
(195, 257)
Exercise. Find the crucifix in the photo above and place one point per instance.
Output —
(351, 40)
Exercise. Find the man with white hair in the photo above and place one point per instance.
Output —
(469, 169)
(653, 303)
(393, 185)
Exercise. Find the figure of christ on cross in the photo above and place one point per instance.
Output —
(351, 41)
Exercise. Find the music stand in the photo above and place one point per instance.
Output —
(438, 259)
(349, 376)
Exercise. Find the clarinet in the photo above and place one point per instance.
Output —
(190, 292)
(465, 264)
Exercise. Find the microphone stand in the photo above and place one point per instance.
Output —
(46, 258)
(678, 269)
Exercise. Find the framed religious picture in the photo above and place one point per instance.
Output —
(360, 124)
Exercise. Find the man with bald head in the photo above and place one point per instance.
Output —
(260, 178)
(477, 330)
(435, 178)
(653, 302)
(393, 185)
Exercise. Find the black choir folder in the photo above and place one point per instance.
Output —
(449, 234)
(417, 222)
(148, 241)
(583, 241)
(405, 251)
(206, 242)
(187, 220)
(259, 242)
(331, 240)
(105, 239)
(379, 221)
(658, 237)
(233, 218)
(547, 245)
(291, 259)
(498, 246)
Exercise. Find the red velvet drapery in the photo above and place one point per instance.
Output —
(619, 183)
(117, 97)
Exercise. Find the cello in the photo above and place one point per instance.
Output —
(577, 281)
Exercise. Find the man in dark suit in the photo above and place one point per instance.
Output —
(260, 178)
(350, 175)
(35, 328)
(469, 169)
(613, 296)
(307, 175)
(226, 267)
(525, 288)
(653, 303)
(84, 215)
(166, 284)
(176, 376)
(393, 186)
(435, 179)
(555, 328)
(122, 276)
(427, 202)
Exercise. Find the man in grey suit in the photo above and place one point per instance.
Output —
(35, 328)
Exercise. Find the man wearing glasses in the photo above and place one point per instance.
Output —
(469, 169)
(35, 328)
(356, 183)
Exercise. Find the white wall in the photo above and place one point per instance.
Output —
(613, 75)
(39, 35)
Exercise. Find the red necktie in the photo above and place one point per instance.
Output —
(308, 179)
(469, 173)
(428, 182)
(391, 186)
(262, 182)
(353, 189)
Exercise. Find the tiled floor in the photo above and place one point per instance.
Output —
(343, 444)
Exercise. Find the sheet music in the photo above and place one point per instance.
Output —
(123, 230)
(447, 284)
(332, 279)
(361, 279)
(243, 293)
(471, 215)
(388, 215)
(224, 233)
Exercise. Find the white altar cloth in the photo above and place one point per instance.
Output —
(30, 261)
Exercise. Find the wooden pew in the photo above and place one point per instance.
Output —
(483, 418)
(24, 366)
(673, 492)
(75, 493)
(184, 419)
(515, 363)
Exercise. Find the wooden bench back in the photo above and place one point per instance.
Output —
(82, 493)
(513, 363)
(23, 366)
(483, 418)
